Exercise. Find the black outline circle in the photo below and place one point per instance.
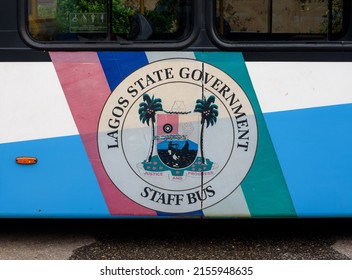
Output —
(168, 128)
(197, 61)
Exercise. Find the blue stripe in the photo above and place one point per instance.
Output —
(61, 184)
(194, 214)
(314, 147)
(118, 65)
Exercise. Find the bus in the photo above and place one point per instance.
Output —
(175, 108)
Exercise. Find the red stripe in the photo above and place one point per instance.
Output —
(86, 89)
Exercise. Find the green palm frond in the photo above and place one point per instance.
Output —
(147, 98)
(148, 108)
(210, 100)
(208, 109)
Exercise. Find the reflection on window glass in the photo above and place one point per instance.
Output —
(107, 20)
(243, 15)
(273, 19)
(299, 16)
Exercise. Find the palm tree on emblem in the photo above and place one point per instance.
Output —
(147, 111)
(209, 113)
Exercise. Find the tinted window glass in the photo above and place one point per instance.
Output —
(277, 19)
(109, 20)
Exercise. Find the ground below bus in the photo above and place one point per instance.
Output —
(309, 239)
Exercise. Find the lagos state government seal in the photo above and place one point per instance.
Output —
(177, 135)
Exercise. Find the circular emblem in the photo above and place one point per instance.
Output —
(177, 135)
(167, 128)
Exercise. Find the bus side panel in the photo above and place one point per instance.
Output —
(307, 107)
(271, 199)
(302, 159)
(36, 121)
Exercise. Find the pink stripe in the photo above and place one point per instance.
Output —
(86, 89)
(166, 119)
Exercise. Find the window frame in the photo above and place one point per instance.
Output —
(23, 28)
(273, 45)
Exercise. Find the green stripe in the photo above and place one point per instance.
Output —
(264, 187)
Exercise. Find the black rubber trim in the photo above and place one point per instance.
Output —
(23, 55)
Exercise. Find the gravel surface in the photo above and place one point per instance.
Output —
(310, 239)
(218, 240)
(40, 246)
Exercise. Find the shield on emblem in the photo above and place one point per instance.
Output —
(177, 138)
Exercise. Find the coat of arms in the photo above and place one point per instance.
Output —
(177, 138)
(177, 135)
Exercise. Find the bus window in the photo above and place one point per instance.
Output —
(270, 20)
(109, 20)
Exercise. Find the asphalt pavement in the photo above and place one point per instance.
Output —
(144, 239)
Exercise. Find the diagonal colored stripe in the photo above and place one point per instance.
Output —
(118, 65)
(264, 187)
(84, 83)
(183, 215)
(233, 205)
